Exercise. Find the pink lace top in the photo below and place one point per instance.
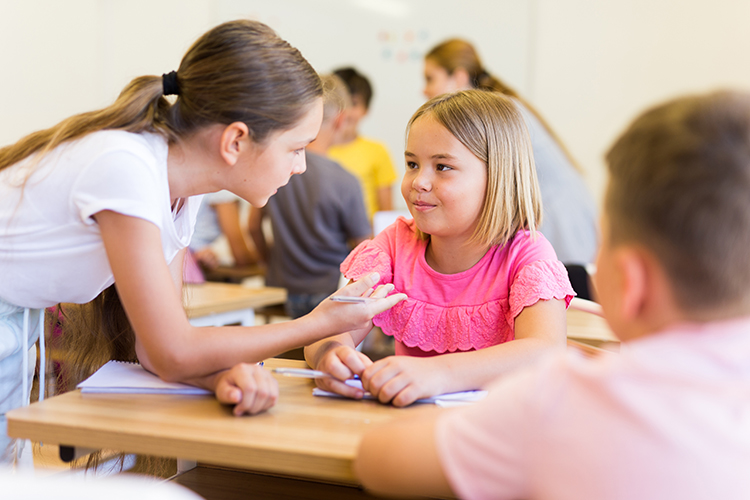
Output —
(470, 310)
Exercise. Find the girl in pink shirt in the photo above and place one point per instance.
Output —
(486, 291)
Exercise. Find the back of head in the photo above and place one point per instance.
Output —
(336, 97)
(490, 126)
(456, 53)
(239, 71)
(680, 186)
(357, 83)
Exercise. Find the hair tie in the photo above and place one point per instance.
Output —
(169, 83)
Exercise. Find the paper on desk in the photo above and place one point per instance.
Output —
(117, 377)
(443, 400)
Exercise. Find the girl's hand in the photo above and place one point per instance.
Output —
(401, 380)
(340, 317)
(342, 363)
(249, 387)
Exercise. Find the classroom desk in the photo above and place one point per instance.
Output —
(216, 304)
(301, 437)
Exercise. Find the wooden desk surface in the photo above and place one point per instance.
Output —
(302, 435)
(213, 298)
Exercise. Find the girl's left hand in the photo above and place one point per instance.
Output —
(401, 380)
(247, 386)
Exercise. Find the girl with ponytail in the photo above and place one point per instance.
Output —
(110, 197)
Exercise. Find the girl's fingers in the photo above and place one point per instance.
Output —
(339, 387)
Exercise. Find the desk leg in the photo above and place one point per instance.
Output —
(70, 453)
(185, 465)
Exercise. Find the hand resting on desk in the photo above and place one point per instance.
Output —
(248, 387)
(400, 380)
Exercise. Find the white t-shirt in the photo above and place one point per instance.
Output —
(667, 418)
(51, 249)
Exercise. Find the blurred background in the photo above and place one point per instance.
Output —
(587, 65)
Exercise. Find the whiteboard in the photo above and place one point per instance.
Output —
(386, 41)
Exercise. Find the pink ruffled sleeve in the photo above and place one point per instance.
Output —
(539, 280)
(367, 258)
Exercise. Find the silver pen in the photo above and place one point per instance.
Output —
(300, 372)
(353, 300)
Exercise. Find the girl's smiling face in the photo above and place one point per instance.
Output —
(444, 185)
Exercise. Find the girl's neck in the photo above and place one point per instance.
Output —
(190, 166)
(452, 256)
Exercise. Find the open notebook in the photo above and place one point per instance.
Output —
(443, 400)
(131, 378)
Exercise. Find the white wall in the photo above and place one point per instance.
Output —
(589, 66)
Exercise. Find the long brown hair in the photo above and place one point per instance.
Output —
(456, 53)
(238, 71)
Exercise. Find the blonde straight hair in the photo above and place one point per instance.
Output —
(491, 127)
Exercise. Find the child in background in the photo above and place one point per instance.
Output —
(668, 417)
(486, 293)
(316, 219)
(110, 196)
(569, 209)
(368, 160)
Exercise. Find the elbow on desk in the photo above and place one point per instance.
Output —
(171, 366)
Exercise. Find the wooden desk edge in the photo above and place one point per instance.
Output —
(293, 463)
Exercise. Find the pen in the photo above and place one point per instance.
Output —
(300, 372)
(354, 300)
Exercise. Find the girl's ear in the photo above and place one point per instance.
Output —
(235, 139)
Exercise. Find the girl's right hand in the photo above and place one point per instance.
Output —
(342, 363)
(340, 317)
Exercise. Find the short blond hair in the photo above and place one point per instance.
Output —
(680, 186)
(336, 97)
(492, 128)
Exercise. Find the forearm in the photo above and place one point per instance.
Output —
(385, 198)
(476, 369)
(198, 352)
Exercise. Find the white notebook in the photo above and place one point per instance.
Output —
(444, 400)
(131, 378)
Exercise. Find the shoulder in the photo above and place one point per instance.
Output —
(528, 247)
(137, 144)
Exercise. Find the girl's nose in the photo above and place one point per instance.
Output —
(422, 181)
(300, 165)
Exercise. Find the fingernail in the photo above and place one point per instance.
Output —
(375, 277)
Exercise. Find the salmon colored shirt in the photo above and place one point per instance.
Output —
(666, 418)
(469, 310)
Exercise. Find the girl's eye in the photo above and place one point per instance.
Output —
(299, 151)
(411, 165)
(442, 168)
